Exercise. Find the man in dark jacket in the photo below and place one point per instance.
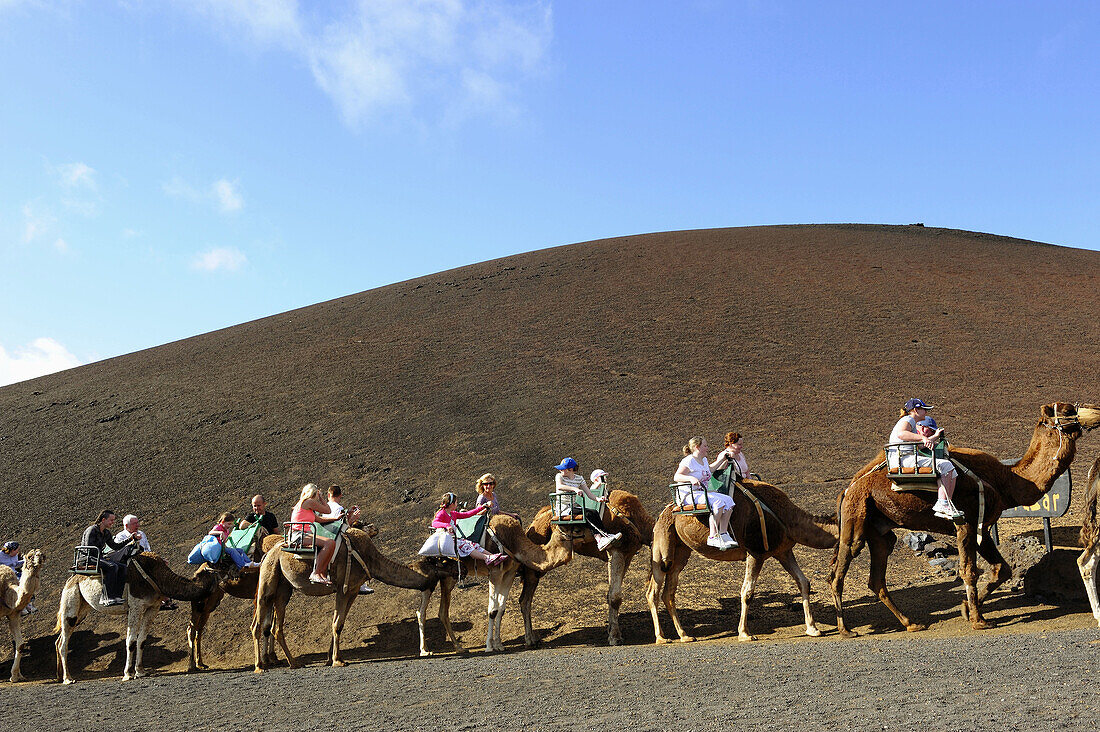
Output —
(113, 565)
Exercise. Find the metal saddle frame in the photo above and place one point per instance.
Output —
(569, 516)
(86, 561)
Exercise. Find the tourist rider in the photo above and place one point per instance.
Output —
(111, 565)
(906, 430)
(695, 470)
(260, 513)
(735, 449)
(10, 557)
(131, 526)
(444, 543)
(487, 496)
(569, 481)
(335, 511)
(309, 506)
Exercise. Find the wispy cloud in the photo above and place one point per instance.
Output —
(418, 57)
(43, 356)
(223, 194)
(37, 221)
(228, 259)
(74, 175)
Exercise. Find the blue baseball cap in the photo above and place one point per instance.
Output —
(928, 422)
(915, 403)
(566, 464)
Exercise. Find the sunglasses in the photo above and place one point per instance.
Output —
(486, 484)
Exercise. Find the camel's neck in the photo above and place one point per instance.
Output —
(28, 585)
(384, 569)
(1048, 456)
(175, 586)
(542, 558)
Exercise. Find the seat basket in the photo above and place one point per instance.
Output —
(299, 537)
(86, 561)
(570, 510)
(689, 505)
(897, 453)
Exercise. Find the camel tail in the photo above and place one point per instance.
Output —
(1090, 527)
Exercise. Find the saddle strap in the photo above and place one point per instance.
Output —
(145, 575)
(761, 507)
(981, 494)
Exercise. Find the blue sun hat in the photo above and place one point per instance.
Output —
(566, 464)
(927, 422)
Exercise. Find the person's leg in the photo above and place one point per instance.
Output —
(324, 556)
(114, 579)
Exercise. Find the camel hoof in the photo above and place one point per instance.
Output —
(746, 638)
(340, 664)
(661, 640)
(294, 664)
(425, 654)
(127, 677)
(980, 624)
(66, 682)
(687, 639)
(845, 633)
(257, 670)
(915, 627)
(17, 679)
(813, 631)
(614, 641)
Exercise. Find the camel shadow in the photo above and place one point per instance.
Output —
(88, 647)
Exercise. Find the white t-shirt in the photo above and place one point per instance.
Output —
(565, 502)
(696, 469)
(335, 510)
(124, 535)
(906, 423)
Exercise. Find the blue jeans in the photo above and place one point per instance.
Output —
(237, 555)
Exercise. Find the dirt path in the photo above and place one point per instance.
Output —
(989, 681)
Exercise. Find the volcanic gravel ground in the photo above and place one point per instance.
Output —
(987, 681)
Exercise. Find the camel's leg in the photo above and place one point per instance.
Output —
(261, 629)
(787, 559)
(200, 614)
(679, 560)
(748, 590)
(16, 626)
(72, 610)
(498, 600)
(617, 564)
(968, 572)
(530, 584)
(339, 616)
(653, 589)
(282, 597)
(880, 546)
(421, 619)
(1086, 563)
(446, 586)
(846, 551)
(999, 569)
(143, 632)
(134, 612)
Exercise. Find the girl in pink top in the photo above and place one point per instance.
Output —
(443, 541)
(310, 504)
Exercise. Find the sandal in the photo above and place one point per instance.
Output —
(318, 579)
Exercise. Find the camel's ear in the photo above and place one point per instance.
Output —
(1047, 411)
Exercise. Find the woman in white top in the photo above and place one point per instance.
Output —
(567, 481)
(906, 430)
(695, 470)
(735, 447)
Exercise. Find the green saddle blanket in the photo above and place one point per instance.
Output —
(243, 538)
(472, 528)
(722, 481)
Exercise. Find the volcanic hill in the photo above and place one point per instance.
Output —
(804, 338)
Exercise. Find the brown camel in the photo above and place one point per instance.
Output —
(869, 509)
(1090, 539)
(242, 585)
(786, 525)
(625, 514)
(142, 600)
(15, 594)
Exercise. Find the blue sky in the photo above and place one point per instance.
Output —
(171, 167)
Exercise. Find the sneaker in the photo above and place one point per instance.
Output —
(31, 608)
(25, 612)
(319, 580)
(251, 565)
(715, 542)
(730, 542)
(493, 560)
(364, 590)
(948, 510)
(605, 540)
(111, 602)
(169, 605)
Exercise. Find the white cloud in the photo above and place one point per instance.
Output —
(229, 198)
(381, 56)
(222, 193)
(220, 258)
(77, 174)
(61, 245)
(43, 356)
(37, 221)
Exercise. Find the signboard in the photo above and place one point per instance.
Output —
(1052, 505)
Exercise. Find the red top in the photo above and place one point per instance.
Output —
(445, 518)
(302, 515)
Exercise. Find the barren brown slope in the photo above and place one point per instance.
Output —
(804, 337)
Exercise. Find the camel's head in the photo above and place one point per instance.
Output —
(223, 569)
(1069, 418)
(32, 560)
(371, 529)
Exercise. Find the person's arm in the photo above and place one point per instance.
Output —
(316, 506)
(905, 434)
(562, 487)
(471, 512)
(441, 520)
(109, 540)
(591, 496)
(683, 476)
(721, 461)
(244, 523)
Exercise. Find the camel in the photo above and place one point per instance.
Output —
(869, 510)
(243, 586)
(142, 600)
(625, 514)
(786, 525)
(1090, 539)
(15, 594)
